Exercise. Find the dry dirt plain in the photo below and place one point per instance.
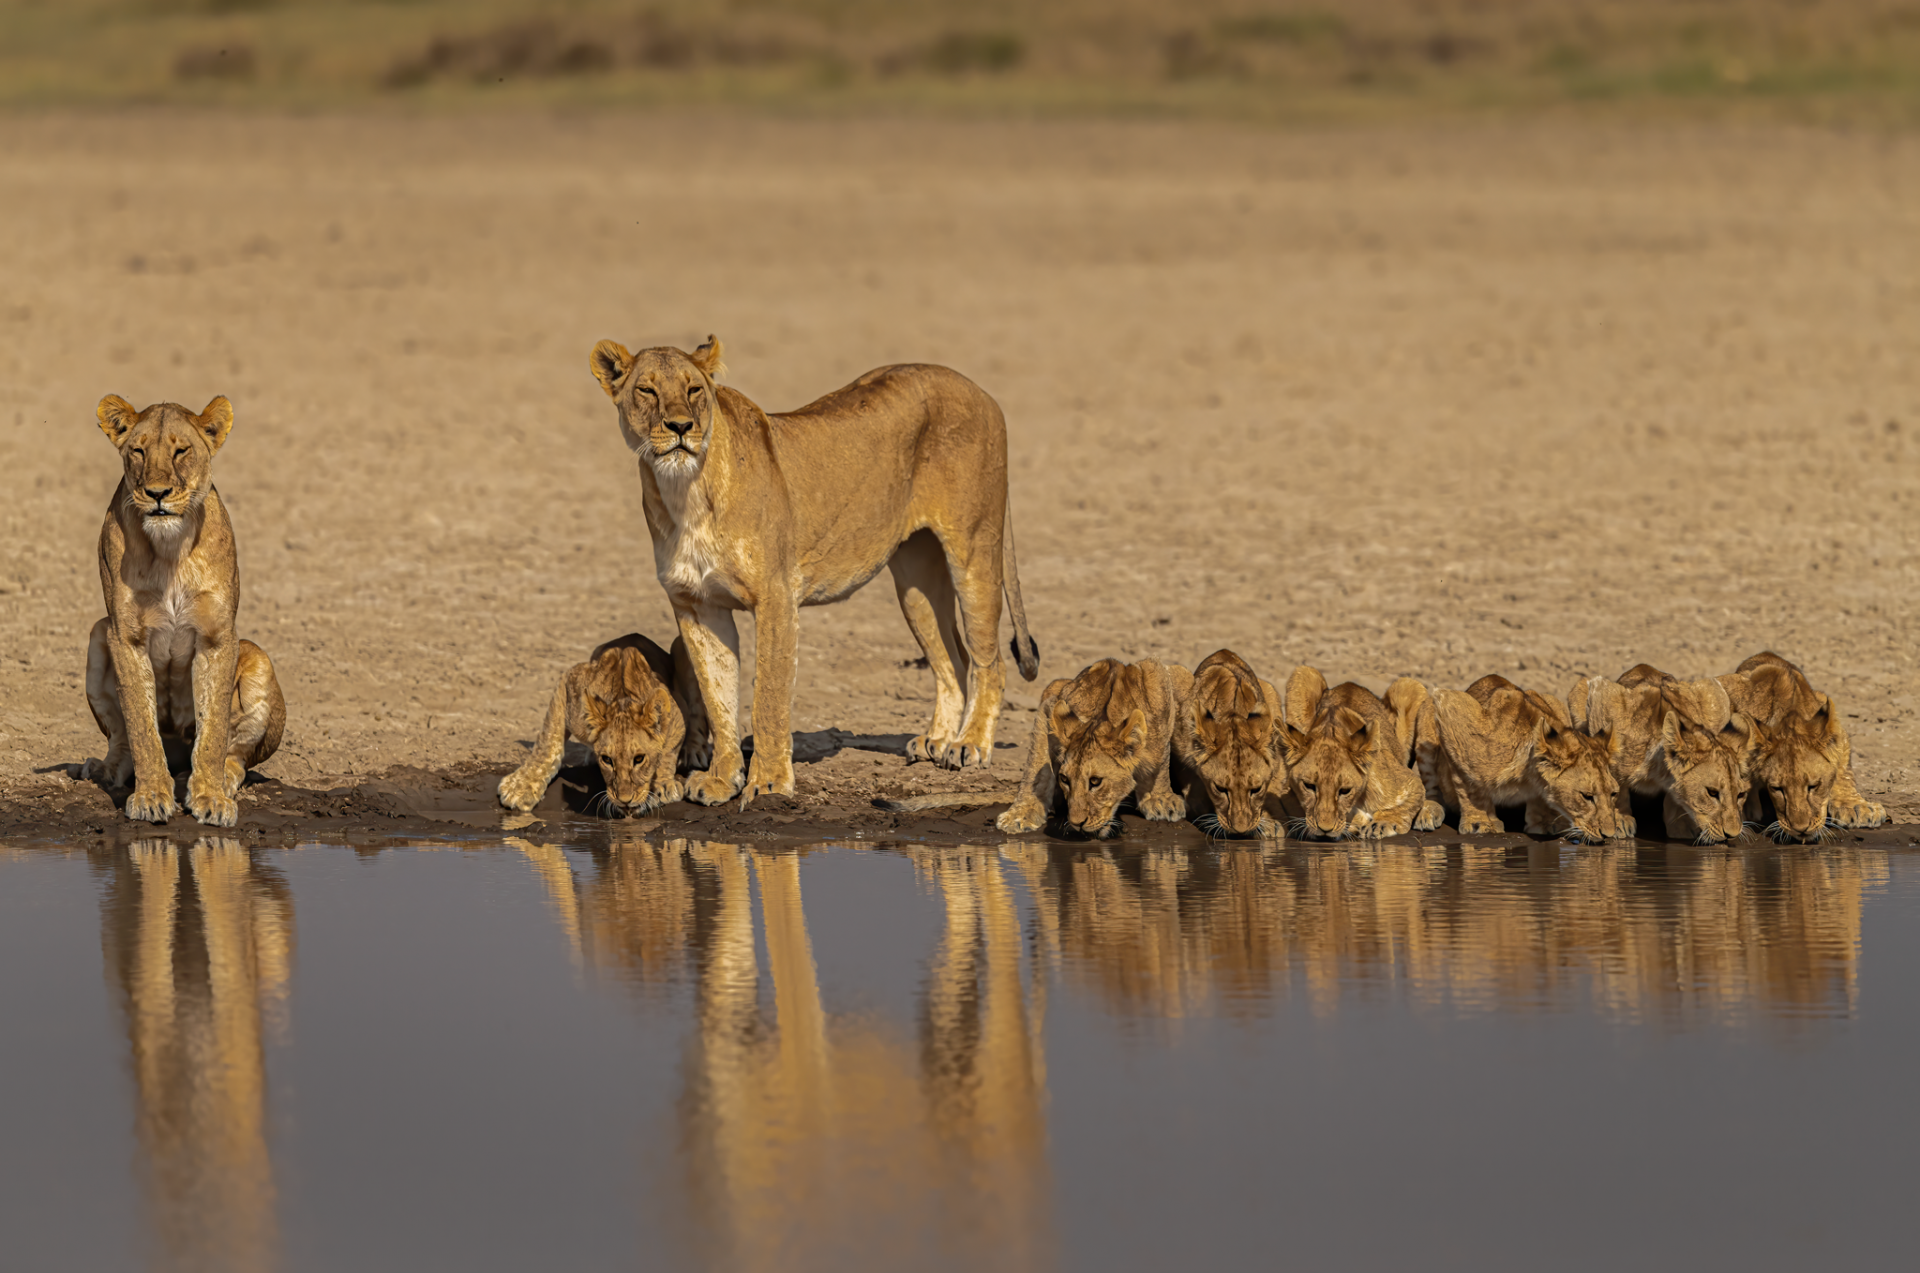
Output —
(1542, 400)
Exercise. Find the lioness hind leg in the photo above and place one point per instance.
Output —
(259, 714)
(925, 589)
(976, 576)
(103, 697)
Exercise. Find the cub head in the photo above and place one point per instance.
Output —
(1329, 768)
(1796, 759)
(1236, 743)
(632, 721)
(1095, 771)
(666, 401)
(166, 457)
(1709, 769)
(1576, 775)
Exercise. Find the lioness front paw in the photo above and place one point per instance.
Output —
(963, 756)
(926, 747)
(713, 786)
(1856, 813)
(150, 804)
(209, 802)
(694, 756)
(522, 789)
(767, 778)
(1024, 816)
(1431, 816)
(1163, 806)
(1480, 824)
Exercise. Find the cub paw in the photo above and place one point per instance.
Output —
(1857, 813)
(1431, 816)
(521, 790)
(1629, 826)
(714, 787)
(211, 804)
(1163, 806)
(1480, 824)
(1382, 827)
(1025, 815)
(154, 804)
(672, 791)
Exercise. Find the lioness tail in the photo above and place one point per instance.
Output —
(914, 804)
(1026, 652)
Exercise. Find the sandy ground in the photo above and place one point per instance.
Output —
(1539, 400)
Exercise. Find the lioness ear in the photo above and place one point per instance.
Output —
(609, 361)
(216, 421)
(116, 416)
(707, 358)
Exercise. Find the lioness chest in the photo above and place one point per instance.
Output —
(171, 600)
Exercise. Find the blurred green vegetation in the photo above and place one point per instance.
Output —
(1246, 58)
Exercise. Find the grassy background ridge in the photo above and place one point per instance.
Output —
(1806, 59)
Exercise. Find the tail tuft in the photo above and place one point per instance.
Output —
(1028, 659)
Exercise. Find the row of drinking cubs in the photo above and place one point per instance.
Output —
(1224, 748)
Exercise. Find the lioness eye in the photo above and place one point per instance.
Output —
(1309, 786)
(138, 453)
(606, 760)
(1587, 796)
(1813, 786)
(179, 451)
(638, 759)
(649, 392)
(1220, 787)
(1346, 791)
(1254, 790)
(694, 391)
(1713, 793)
(1092, 783)
(1775, 790)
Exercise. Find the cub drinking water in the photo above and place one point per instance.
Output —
(1502, 745)
(1226, 747)
(637, 706)
(1677, 739)
(1803, 759)
(1099, 738)
(1347, 763)
(166, 662)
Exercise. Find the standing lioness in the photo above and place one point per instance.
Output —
(905, 469)
(166, 659)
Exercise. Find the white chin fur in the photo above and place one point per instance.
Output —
(166, 534)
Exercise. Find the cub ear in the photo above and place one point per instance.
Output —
(1133, 733)
(1061, 720)
(659, 711)
(599, 711)
(117, 417)
(1297, 744)
(707, 358)
(216, 421)
(609, 362)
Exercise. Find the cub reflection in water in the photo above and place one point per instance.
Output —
(803, 1131)
(1683, 934)
(199, 946)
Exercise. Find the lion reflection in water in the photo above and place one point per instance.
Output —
(199, 946)
(801, 1127)
(1678, 934)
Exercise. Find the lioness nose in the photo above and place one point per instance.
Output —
(158, 493)
(681, 427)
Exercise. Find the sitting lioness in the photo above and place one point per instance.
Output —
(1099, 738)
(1347, 764)
(1226, 746)
(1676, 739)
(166, 660)
(626, 703)
(904, 470)
(1802, 757)
(1502, 745)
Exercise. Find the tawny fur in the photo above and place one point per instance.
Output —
(166, 662)
(1502, 745)
(1803, 759)
(1347, 764)
(630, 703)
(1680, 740)
(1099, 738)
(1226, 748)
(905, 469)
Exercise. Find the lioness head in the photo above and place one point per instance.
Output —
(1236, 742)
(666, 402)
(1796, 760)
(632, 721)
(1095, 772)
(1709, 769)
(1576, 776)
(166, 453)
(1329, 767)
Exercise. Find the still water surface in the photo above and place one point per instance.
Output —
(648, 1054)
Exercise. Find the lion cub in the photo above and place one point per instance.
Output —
(1099, 738)
(1226, 743)
(1802, 756)
(629, 702)
(1676, 739)
(1348, 766)
(1501, 744)
(165, 662)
